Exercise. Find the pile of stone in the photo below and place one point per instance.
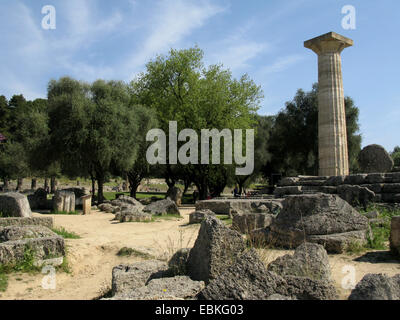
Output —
(199, 215)
(13, 204)
(19, 232)
(127, 209)
(358, 189)
(64, 201)
(318, 218)
(377, 287)
(246, 214)
(220, 267)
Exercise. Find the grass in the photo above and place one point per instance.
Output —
(226, 219)
(129, 252)
(27, 266)
(381, 230)
(167, 217)
(3, 282)
(65, 234)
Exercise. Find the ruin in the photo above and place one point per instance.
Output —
(332, 136)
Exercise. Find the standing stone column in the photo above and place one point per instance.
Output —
(332, 135)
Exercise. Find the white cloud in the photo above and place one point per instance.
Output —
(173, 20)
(237, 56)
(283, 63)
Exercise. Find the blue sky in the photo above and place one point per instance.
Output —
(264, 38)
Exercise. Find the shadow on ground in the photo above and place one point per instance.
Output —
(378, 257)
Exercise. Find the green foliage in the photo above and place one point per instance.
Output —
(179, 87)
(294, 139)
(226, 219)
(65, 234)
(129, 252)
(93, 128)
(396, 156)
(3, 282)
(355, 247)
(381, 229)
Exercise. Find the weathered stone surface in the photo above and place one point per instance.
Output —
(335, 180)
(395, 235)
(133, 216)
(375, 159)
(245, 223)
(64, 201)
(288, 181)
(216, 206)
(246, 279)
(178, 263)
(12, 252)
(215, 249)
(356, 195)
(278, 297)
(13, 233)
(376, 187)
(230, 206)
(315, 218)
(332, 135)
(175, 194)
(13, 204)
(130, 277)
(40, 221)
(305, 288)
(179, 287)
(162, 207)
(283, 191)
(377, 287)
(130, 200)
(106, 207)
(339, 242)
(309, 260)
(307, 273)
(79, 193)
(391, 197)
(391, 188)
(375, 178)
(199, 215)
(355, 179)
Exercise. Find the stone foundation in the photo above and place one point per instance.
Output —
(34, 221)
(385, 186)
(229, 206)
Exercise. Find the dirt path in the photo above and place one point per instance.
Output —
(92, 257)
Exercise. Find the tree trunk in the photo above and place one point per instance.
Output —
(46, 183)
(93, 187)
(6, 184)
(133, 190)
(100, 194)
(53, 185)
(19, 184)
(203, 192)
(186, 187)
(34, 184)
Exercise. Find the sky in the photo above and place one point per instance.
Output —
(96, 39)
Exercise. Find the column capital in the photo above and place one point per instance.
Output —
(330, 42)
